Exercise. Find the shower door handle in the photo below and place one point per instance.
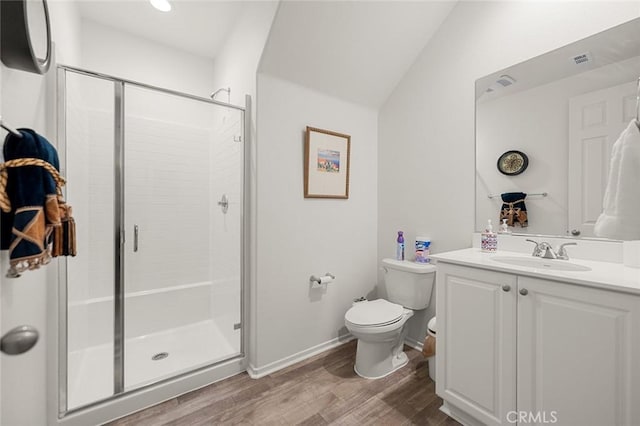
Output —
(135, 238)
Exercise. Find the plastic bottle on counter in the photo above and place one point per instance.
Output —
(422, 249)
(504, 228)
(489, 239)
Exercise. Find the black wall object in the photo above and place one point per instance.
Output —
(16, 49)
(512, 163)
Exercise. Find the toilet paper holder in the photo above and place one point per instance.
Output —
(326, 278)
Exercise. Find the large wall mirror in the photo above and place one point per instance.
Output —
(563, 110)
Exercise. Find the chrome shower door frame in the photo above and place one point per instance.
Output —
(232, 365)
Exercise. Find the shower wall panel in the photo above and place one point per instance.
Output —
(167, 197)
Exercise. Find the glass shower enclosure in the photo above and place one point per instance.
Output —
(155, 178)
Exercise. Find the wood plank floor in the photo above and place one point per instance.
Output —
(320, 390)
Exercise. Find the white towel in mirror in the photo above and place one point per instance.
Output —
(620, 218)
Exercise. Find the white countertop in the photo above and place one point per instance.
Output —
(612, 276)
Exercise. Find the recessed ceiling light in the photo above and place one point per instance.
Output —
(161, 5)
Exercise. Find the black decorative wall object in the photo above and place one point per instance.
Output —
(512, 163)
(16, 44)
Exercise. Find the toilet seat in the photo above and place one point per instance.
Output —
(375, 313)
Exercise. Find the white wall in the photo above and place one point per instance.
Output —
(237, 63)
(28, 101)
(426, 128)
(113, 52)
(66, 25)
(298, 237)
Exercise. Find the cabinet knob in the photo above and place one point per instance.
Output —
(506, 288)
(524, 291)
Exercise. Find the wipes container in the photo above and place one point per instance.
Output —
(422, 249)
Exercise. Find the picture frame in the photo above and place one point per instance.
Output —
(326, 164)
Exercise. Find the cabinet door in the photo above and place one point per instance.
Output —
(578, 352)
(476, 312)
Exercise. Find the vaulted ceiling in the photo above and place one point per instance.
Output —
(353, 50)
(195, 26)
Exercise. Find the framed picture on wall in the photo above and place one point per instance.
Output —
(326, 164)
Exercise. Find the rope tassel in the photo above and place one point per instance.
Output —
(64, 237)
(5, 203)
(60, 215)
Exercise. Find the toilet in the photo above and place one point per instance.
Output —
(379, 325)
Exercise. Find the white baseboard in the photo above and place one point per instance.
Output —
(414, 344)
(258, 372)
(459, 415)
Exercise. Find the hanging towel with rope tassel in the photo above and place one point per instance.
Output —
(514, 209)
(35, 222)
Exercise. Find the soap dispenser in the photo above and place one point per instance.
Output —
(489, 239)
(504, 228)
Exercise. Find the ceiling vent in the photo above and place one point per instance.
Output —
(505, 80)
(582, 58)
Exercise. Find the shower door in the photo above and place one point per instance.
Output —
(156, 181)
(182, 250)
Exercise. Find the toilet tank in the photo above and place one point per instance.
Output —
(408, 283)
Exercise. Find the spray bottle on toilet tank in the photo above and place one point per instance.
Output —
(400, 246)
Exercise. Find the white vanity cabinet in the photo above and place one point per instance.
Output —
(578, 353)
(514, 349)
(476, 342)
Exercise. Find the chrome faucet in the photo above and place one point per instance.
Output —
(537, 251)
(562, 252)
(545, 251)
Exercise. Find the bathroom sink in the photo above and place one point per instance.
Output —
(540, 263)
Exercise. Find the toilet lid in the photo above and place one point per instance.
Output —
(374, 313)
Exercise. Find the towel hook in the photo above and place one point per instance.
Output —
(9, 128)
(536, 194)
